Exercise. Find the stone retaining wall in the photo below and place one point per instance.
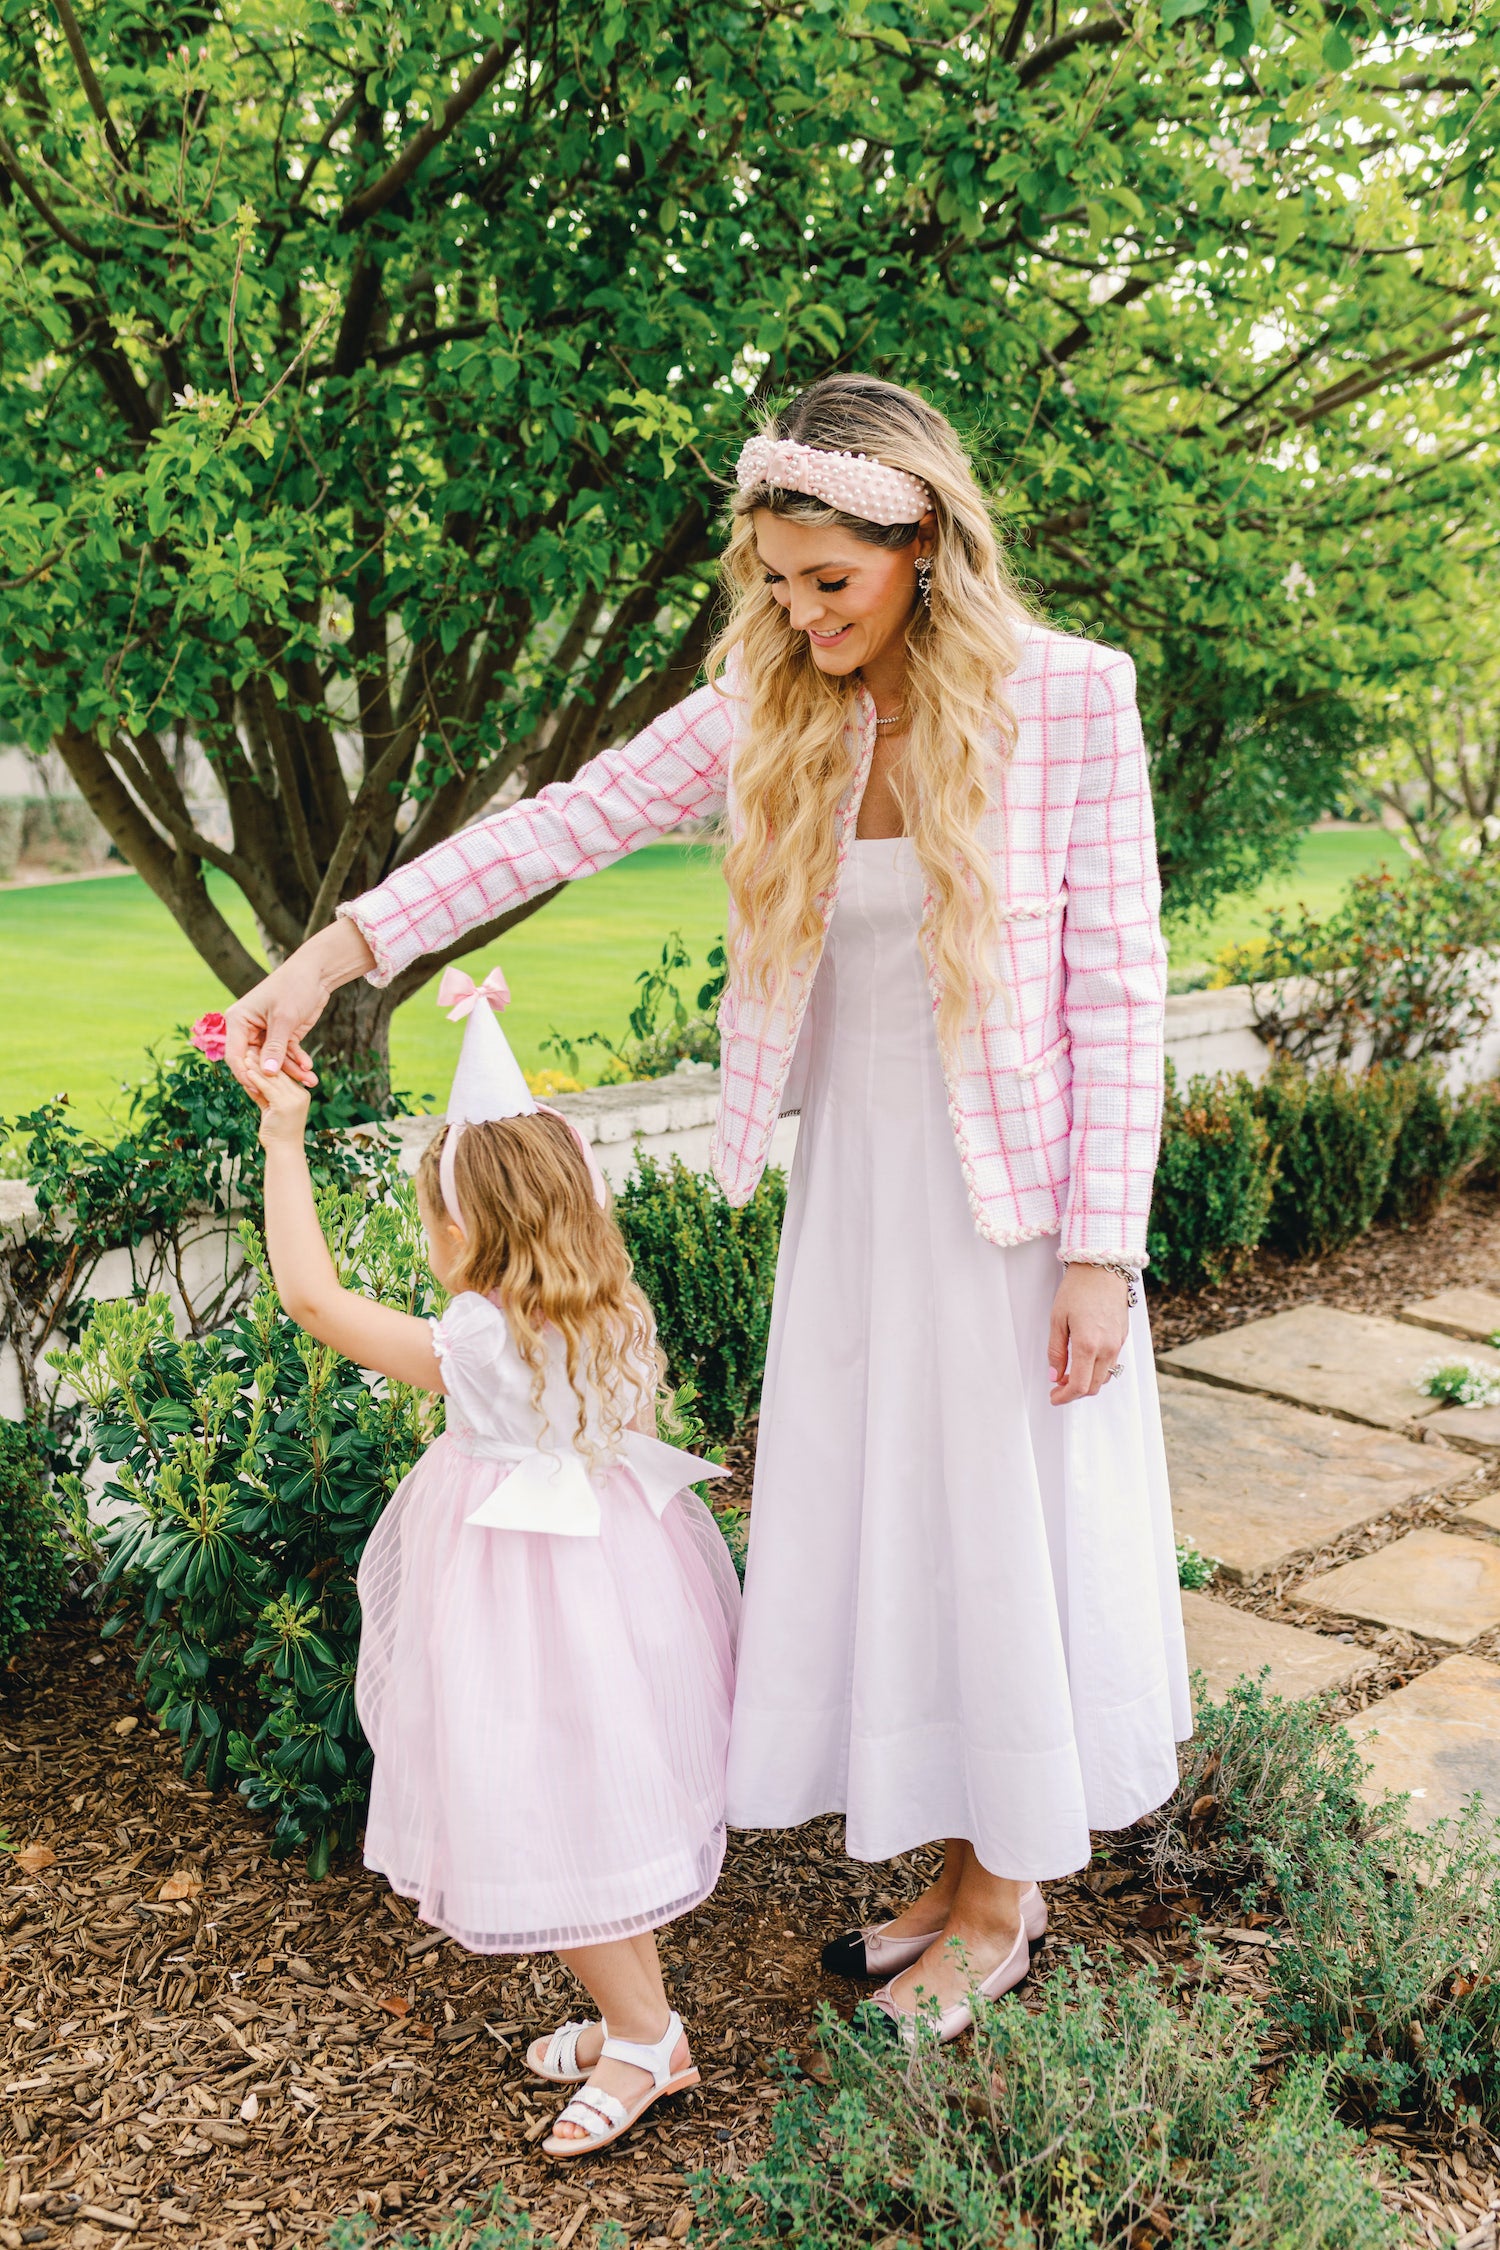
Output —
(659, 1117)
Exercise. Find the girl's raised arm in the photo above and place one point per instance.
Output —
(375, 1336)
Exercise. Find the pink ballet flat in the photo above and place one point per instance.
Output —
(870, 1953)
(604, 2117)
(953, 2022)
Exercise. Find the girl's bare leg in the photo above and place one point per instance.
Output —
(623, 1979)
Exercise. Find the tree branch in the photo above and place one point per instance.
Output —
(1101, 31)
(175, 877)
(41, 206)
(379, 193)
(91, 86)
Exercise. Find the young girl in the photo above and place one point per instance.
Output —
(546, 1661)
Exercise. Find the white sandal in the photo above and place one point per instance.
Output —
(556, 2059)
(603, 2116)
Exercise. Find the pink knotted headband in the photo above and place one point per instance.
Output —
(851, 482)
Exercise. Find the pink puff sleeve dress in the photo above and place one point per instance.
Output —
(548, 1707)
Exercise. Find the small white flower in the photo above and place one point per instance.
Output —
(1231, 161)
(1296, 582)
(1459, 1382)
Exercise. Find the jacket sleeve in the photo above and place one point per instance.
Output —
(673, 771)
(1115, 970)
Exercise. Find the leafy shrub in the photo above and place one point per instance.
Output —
(1107, 2115)
(1334, 1134)
(249, 1469)
(189, 1148)
(1443, 1139)
(1390, 1962)
(1392, 975)
(1214, 1182)
(1260, 1776)
(1195, 1570)
(32, 1570)
(664, 1030)
(1459, 1382)
(708, 1269)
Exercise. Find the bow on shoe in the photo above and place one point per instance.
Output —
(458, 992)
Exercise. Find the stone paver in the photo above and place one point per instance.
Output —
(1473, 1314)
(1226, 1644)
(1475, 1429)
(1438, 1738)
(1254, 1481)
(1317, 1356)
(1485, 1511)
(1432, 1583)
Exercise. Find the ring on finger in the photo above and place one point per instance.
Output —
(1117, 1369)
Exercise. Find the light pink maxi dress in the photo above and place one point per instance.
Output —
(549, 1713)
(961, 1605)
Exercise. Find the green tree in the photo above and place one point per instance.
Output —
(370, 373)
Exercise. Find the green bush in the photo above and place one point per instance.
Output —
(1260, 1776)
(1443, 1139)
(1390, 1962)
(1106, 2115)
(1394, 974)
(665, 1029)
(33, 1572)
(707, 1269)
(1214, 1181)
(1334, 1134)
(251, 1467)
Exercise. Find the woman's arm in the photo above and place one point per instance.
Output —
(1115, 965)
(376, 1336)
(675, 770)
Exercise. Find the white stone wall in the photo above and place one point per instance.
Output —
(660, 1117)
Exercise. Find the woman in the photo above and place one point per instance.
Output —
(961, 1614)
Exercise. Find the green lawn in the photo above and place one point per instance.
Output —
(94, 972)
(1327, 862)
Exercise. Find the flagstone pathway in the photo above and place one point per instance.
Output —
(1290, 1434)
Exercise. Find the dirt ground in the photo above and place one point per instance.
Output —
(202, 2047)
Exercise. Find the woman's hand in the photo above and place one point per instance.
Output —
(269, 1024)
(1090, 1322)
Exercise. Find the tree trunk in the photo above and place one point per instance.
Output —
(353, 1035)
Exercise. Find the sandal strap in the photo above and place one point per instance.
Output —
(597, 2112)
(562, 2047)
(657, 2059)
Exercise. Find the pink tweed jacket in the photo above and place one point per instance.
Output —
(1055, 1094)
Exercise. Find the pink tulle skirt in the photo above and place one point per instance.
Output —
(549, 1715)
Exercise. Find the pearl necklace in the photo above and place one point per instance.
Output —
(896, 719)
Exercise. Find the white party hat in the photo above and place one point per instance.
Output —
(488, 1082)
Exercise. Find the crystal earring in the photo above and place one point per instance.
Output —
(924, 580)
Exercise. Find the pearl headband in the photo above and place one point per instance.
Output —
(851, 482)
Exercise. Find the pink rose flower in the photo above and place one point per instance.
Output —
(208, 1036)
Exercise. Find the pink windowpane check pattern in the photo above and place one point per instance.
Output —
(1055, 1096)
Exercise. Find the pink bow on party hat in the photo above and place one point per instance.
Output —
(458, 992)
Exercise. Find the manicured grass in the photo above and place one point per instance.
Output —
(1328, 861)
(95, 972)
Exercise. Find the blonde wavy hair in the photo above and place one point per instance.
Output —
(791, 764)
(536, 1242)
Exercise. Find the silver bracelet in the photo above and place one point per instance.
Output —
(1130, 1275)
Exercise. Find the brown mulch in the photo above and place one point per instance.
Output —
(202, 2047)
(1387, 1267)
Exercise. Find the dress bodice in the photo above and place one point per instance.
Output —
(489, 1385)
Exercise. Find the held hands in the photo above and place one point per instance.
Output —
(1090, 1321)
(266, 1028)
(282, 1101)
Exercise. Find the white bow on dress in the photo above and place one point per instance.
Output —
(554, 1492)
